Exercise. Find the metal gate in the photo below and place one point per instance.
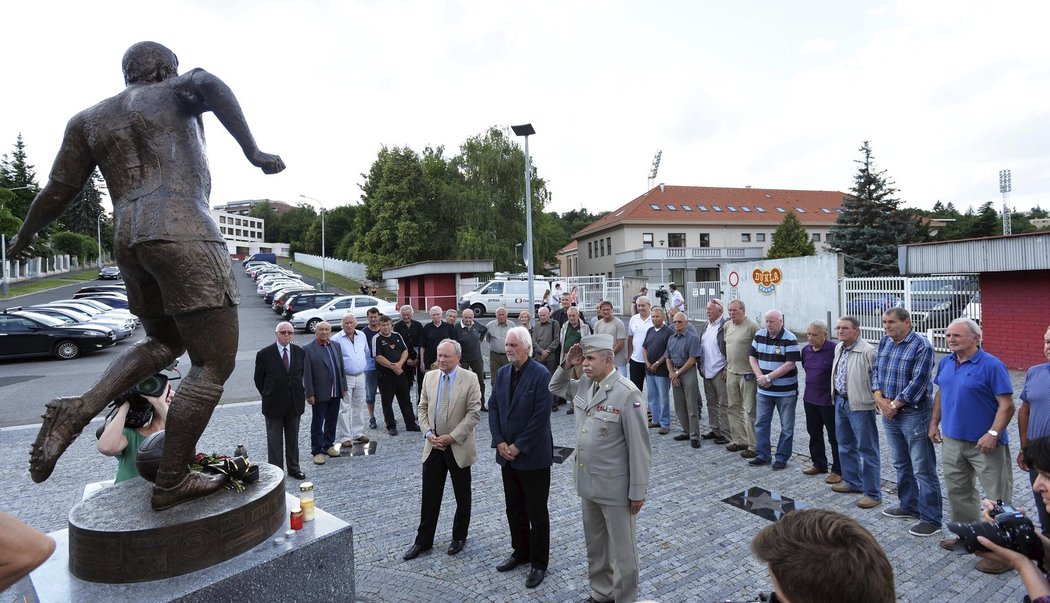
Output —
(590, 290)
(933, 301)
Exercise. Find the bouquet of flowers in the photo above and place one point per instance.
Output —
(238, 470)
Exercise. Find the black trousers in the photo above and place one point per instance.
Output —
(390, 385)
(322, 425)
(478, 368)
(637, 373)
(282, 440)
(440, 463)
(819, 418)
(527, 514)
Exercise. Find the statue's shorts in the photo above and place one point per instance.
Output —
(170, 278)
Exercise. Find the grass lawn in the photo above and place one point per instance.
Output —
(51, 282)
(336, 281)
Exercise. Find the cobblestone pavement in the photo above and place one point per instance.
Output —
(692, 546)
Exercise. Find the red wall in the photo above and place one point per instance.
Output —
(422, 292)
(1015, 312)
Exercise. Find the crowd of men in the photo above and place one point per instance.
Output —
(741, 371)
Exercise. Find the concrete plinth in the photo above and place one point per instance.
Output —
(314, 564)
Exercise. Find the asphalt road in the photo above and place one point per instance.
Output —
(26, 385)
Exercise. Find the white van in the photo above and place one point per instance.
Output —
(513, 294)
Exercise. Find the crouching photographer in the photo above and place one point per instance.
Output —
(136, 414)
(1019, 544)
(816, 555)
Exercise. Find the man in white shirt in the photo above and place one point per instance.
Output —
(677, 301)
(353, 413)
(637, 327)
(712, 369)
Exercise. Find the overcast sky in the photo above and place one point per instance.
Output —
(770, 94)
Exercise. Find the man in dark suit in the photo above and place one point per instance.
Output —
(324, 383)
(449, 409)
(279, 379)
(520, 422)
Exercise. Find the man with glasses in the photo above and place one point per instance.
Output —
(279, 379)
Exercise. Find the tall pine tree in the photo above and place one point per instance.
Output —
(872, 224)
(17, 173)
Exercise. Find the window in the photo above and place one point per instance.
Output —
(654, 207)
(816, 237)
(687, 208)
(760, 237)
(716, 208)
(745, 208)
(760, 210)
(825, 210)
(647, 239)
(701, 207)
(608, 244)
(731, 208)
(800, 210)
(671, 207)
(494, 288)
(745, 237)
(676, 239)
(781, 210)
(601, 243)
(705, 239)
(590, 253)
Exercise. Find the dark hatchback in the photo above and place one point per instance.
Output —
(27, 334)
(306, 301)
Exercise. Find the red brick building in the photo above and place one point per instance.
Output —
(1014, 274)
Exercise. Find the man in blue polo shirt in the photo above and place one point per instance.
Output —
(774, 352)
(971, 411)
(1033, 420)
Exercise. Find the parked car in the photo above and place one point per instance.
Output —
(115, 288)
(109, 273)
(94, 308)
(305, 301)
(27, 334)
(334, 311)
(282, 294)
(113, 300)
(122, 328)
(261, 257)
(286, 295)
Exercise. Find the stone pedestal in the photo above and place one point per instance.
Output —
(313, 564)
(114, 536)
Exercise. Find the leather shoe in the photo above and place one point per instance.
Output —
(709, 435)
(778, 465)
(509, 563)
(813, 470)
(695, 443)
(748, 454)
(297, 474)
(833, 478)
(948, 544)
(536, 576)
(414, 551)
(456, 546)
(681, 437)
(757, 461)
(721, 439)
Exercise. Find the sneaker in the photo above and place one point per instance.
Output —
(948, 544)
(319, 459)
(834, 478)
(845, 488)
(749, 454)
(653, 425)
(332, 452)
(899, 513)
(778, 465)
(924, 529)
(372, 423)
(663, 431)
(867, 502)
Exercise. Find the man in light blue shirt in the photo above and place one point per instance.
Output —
(353, 412)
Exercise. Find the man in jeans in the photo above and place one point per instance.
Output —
(903, 390)
(855, 430)
(774, 352)
(657, 378)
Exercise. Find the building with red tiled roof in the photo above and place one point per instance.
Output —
(683, 233)
(568, 260)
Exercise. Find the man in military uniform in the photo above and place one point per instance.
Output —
(613, 460)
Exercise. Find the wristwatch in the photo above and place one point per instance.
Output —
(993, 433)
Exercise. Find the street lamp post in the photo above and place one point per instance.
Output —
(527, 130)
(99, 225)
(324, 273)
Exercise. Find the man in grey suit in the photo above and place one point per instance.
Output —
(324, 383)
(449, 409)
(279, 379)
(613, 461)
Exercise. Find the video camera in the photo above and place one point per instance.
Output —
(140, 411)
(663, 296)
(1009, 529)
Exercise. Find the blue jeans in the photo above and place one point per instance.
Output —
(915, 459)
(858, 448)
(658, 390)
(371, 384)
(785, 406)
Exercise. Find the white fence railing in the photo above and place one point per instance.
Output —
(354, 270)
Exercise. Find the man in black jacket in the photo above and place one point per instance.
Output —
(279, 379)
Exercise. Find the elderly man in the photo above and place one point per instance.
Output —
(855, 429)
(683, 352)
(817, 357)
(391, 354)
(613, 464)
(657, 377)
(1033, 420)
(412, 332)
(712, 369)
(434, 332)
(611, 325)
(496, 335)
(971, 411)
(449, 409)
(637, 327)
(520, 423)
(451, 316)
(546, 341)
(901, 381)
(774, 352)
(324, 382)
(572, 332)
(561, 315)
(470, 334)
(738, 333)
(353, 412)
(279, 379)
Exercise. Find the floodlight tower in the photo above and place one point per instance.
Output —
(1004, 188)
(655, 168)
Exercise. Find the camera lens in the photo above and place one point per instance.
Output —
(152, 386)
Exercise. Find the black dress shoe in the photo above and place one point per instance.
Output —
(456, 546)
(297, 474)
(721, 439)
(709, 435)
(681, 437)
(695, 443)
(413, 428)
(536, 576)
(414, 551)
(509, 563)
